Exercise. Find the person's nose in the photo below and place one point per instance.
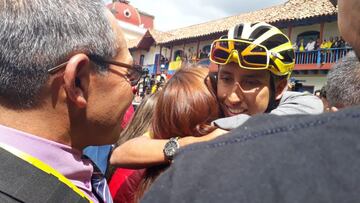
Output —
(236, 96)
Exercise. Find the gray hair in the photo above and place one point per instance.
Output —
(343, 82)
(36, 35)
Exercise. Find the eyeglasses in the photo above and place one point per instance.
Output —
(134, 72)
(247, 54)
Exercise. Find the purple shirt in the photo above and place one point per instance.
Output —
(63, 158)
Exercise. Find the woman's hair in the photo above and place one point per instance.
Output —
(141, 120)
(185, 107)
(138, 125)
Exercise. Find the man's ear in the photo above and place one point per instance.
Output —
(281, 88)
(76, 79)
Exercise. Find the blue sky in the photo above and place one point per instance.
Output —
(170, 14)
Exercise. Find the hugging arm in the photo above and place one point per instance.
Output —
(143, 151)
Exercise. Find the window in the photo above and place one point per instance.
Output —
(178, 53)
(206, 49)
(127, 13)
(204, 52)
(141, 61)
(307, 36)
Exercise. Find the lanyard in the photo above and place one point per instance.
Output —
(44, 167)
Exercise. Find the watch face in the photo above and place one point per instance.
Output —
(170, 148)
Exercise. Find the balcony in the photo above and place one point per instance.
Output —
(315, 61)
(319, 59)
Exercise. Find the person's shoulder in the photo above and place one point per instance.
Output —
(265, 153)
(293, 93)
(23, 182)
(269, 124)
(298, 103)
(229, 123)
(298, 95)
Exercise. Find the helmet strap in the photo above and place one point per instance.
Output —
(272, 101)
(214, 83)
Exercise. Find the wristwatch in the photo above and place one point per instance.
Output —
(171, 148)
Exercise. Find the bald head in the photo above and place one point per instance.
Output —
(349, 22)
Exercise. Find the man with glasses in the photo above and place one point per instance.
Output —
(275, 158)
(65, 83)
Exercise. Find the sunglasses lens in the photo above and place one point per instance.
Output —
(220, 52)
(255, 56)
(254, 61)
(220, 55)
(250, 55)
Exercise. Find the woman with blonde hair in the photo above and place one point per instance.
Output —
(123, 182)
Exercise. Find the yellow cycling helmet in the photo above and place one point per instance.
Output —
(255, 46)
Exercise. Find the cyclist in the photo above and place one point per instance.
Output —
(255, 62)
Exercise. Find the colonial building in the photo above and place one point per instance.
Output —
(134, 22)
(301, 20)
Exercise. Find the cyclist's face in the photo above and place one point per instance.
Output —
(242, 91)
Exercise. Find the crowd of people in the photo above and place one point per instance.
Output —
(236, 135)
(313, 45)
(330, 50)
(149, 84)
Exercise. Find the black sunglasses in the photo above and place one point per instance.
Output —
(134, 72)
